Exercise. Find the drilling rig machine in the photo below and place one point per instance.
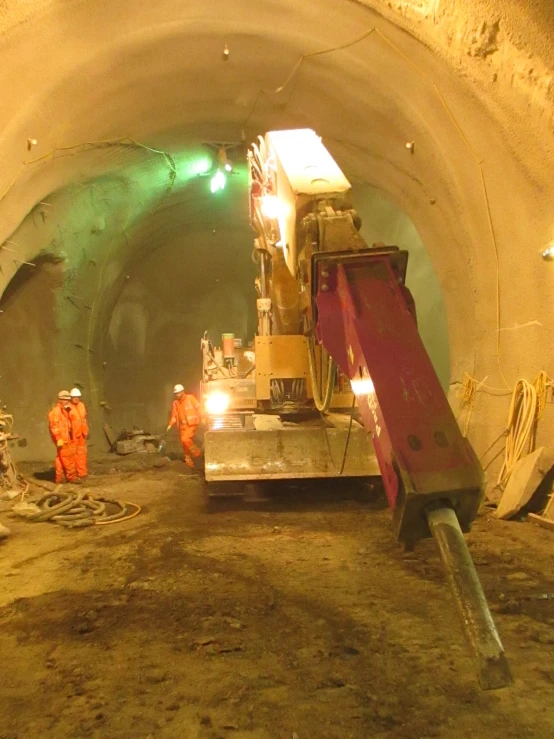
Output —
(338, 381)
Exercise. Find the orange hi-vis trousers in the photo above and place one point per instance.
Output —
(189, 447)
(64, 464)
(81, 456)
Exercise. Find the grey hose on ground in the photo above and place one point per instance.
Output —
(78, 510)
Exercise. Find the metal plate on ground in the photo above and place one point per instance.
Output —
(288, 453)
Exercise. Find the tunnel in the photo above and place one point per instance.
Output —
(115, 255)
(294, 612)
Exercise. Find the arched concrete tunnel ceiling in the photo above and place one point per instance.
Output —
(88, 85)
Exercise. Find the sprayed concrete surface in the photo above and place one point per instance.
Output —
(294, 617)
(170, 292)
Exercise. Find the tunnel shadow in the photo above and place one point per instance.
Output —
(47, 475)
(26, 274)
(295, 495)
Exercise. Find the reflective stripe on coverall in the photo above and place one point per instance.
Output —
(61, 425)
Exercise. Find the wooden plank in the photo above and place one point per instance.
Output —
(549, 510)
(110, 435)
(527, 475)
(546, 523)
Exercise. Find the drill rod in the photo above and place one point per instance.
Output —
(486, 649)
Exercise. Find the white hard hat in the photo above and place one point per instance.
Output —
(64, 395)
(75, 393)
(178, 389)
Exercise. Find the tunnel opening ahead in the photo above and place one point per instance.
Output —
(384, 221)
(133, 274)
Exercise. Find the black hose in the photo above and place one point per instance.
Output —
(347, 438)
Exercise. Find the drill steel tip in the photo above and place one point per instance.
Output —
(493, 670)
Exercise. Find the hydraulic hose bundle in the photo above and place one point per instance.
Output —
(78, 510)
(322, 400)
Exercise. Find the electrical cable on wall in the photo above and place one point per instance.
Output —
(467, 400)
(527, 405)
(62, 151)
(526, 408)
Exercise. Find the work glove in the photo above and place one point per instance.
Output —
(60, 443)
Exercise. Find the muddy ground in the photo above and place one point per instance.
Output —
(295, 617)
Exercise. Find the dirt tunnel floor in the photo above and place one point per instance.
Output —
(298, 617)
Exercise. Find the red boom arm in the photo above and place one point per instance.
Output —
(366, 321)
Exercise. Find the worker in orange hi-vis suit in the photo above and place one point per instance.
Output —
(62, 421)
(186, 412)
(81, 434)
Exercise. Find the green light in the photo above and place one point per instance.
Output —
(201, 166)
(218, 181)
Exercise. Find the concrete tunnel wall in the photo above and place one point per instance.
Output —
(122, 317)
(469, 83)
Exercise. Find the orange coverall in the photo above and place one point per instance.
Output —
(80, 438)
(186, 412)
(61, 422)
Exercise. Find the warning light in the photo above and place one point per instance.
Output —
(218, 181)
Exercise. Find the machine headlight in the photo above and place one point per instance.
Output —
(362, 386)
(217, 403)
(272, 207)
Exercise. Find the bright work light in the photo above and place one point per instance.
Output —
(218, 181)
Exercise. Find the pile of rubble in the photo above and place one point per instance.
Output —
(136, 440)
